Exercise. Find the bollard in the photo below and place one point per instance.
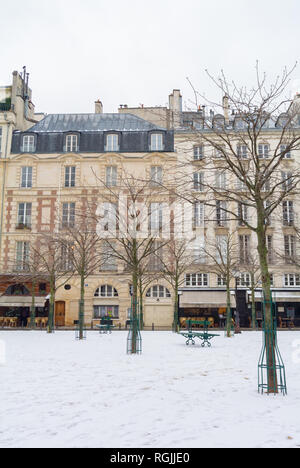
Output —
(152, 326)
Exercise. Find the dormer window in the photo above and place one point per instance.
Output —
(28, 144)
(71, 143)
(112, 142)
(157, 142)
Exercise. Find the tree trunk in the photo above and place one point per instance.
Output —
(134, 311)
(267, 298)
(228, 314)
(253, 308)
(81, 308)
(141, 304)
(32, 308)
(176, 309)
(51, 308)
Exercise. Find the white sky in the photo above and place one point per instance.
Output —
(132, 52)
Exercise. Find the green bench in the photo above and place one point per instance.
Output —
(204, 335)
(106, 326)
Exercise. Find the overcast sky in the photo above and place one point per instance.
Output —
(135, 52)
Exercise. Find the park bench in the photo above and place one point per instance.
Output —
(204, 335)
(106, 325)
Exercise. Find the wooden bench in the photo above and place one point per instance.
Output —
(204, 336)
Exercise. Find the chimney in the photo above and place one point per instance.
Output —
(175, 105)
(98, 107)
(226, 108)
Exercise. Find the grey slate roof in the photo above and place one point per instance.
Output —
(56, 123)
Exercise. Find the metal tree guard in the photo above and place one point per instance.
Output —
(270, 361)
(134, 339)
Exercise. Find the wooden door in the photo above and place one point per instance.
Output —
(60, 313)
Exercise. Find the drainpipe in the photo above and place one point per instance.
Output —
(4, 181)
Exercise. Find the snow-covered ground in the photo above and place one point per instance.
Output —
(57, 392)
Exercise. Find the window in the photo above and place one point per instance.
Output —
(17, 290)
(242, 214)
(111, 176)
(269, 241)
(263, 151)
(26, 177)
(222, 249)
(287, 181)
(157, 142)
(42, 288)
(198, 153)
(109, 261)
(110, 217)
(221, 214)
(70, 174)
(155, 258)
(106, 311)
(156, 175)
(71, 143)
(112, 142)
(198, 214)
(156, 218)
(22, 257)
(199, 181)
(221, 180)
(106, 291)
(288, 213)
(244, 280)
(198, 250)
(292, 279)
(283, 149)
(289, 248)
(244, 244)
(68, 216)
(221, 280)
(24, 214)
(196, 279)
(158, 292)
(241, 185)
(242, 151)
(28, 144)
(66, 263)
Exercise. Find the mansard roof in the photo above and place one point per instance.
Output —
(57, 123)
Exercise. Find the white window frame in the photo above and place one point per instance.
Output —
(28, 144)
(157, 142)
(111, 176)
(291, 280)
(221, 213)
(100, 311)
(287, 155)
(198, 151)
(197, 280)
(71, 143)
(112, 142)
(242, 151)
(158, 291)
(70, 176)
(221, 180)
(288, 213)
(26, 176)
(24, 214)
(198, 181)
(22, 255)
(68, 214)
(199, 214)
(107, 291)
(263, 150)
(156, 175)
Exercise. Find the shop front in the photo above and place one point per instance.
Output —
(208, 304)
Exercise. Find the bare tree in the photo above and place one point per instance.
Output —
(80, 245)
(243, 169)
(133, 229)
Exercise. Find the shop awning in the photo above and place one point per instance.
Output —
(205, 299)
(280, 296)
(22, 301)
